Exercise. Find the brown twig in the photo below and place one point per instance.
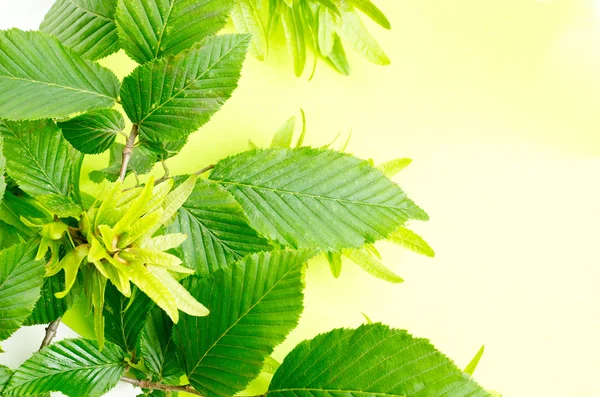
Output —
(127, 151)
(144, 384)
(50, 332)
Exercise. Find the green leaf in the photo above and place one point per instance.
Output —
(125, 317)
(372, 360)
(283, 137)
(37, 156)
(151, 29)
(294, 34)
(246, 20)
(59, 205)
(335, 263)
(326, 31)
(9, 235)
(48, 308)
(300, 141)
(158, 350)
(40, 78)
(188, 88)
(141, 163)
(5, 374)
(256, 303)
(392, 167)
(21, 279)
(371, 10)
(369, 263)
(470, 369)
(337, 56)
(354, 32)
(74, 367)
(307, 197)
(217, 228)
(87, 26)
(409, 239)
(329, 4)
(93, 132)
(2, 169)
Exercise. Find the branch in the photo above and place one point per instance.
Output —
(50, 332)
(144, 384)
(127, 151)
(199, 172)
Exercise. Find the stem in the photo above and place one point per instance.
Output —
(127, 151)
(199, 172)
(144, 384)
(50, 332)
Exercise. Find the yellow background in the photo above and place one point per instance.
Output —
(497, 102)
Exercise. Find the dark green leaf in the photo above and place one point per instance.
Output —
(93, 132)
(87, 26)
(74, 367)
(254, 304)
(187, 88)
(21, 279)
(151, 29)
(309, 197)
(48, 308)
(217, 228)
(40, 78)
(370, 361)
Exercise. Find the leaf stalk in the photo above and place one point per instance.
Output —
(144, 384)
(128, 151)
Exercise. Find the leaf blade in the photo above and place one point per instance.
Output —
(93, 132)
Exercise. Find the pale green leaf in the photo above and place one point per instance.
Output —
(176, 198)
(247, 20)
(300, 141)
(185, 302)
(367, 319)
(150, 29)
(5, 374)
(256, 303)
(21, 279)
(370, 361)
(309, 197)
(393, 167)
(93, 132)
(283, 136)
(338, 58)
(219, 231)
(408, 239)
(87, 26)
(70, 264)
(37, 156)
(472, 366)
(354, 32)
(329, 4)
(74, 367)
(270, 365)
(369, 263)
(9, 235)
(335, 263)
(294, 34)
(326, 31)
(125, 317)
(189, 88)
(369, 9)
(2, 169)
(61, 206)
(164, 243)
(40, 78)
(48, 307)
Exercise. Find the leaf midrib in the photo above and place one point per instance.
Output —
(56, 85)
(334, 391)
(92, 12)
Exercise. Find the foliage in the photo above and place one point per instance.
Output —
(192, 280)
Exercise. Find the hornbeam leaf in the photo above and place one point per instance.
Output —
(326, 30)
(150, 29)
(87, 26)
(283, 136)
(2, 168)
(369, 263)
(21, 279)
(75, 367)
(218, 231)
(472, 366)
(337, 56)
(354, 32)
(255, 303)
(369, 9)
(93, 132)
(307, 197)
(41, 78)
(187, 88)
(335, 263)
(246, 20)
(411, 240)
(294, 34)
(48, 308)
(5, 374)
(372, 360)
(37, 156)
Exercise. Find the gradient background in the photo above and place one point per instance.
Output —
(498, 104)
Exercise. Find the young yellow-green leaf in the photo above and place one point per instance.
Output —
(372, 360)
(354, 32)
(472, 366)
(48, 308)
(86, 26)
(165, 242)
(283, 137)
(369, 263)
(294, 34)
(150, 29)
(175, 200)
(392, 167)
(326, 30)
(75, 367)
(338, 58)
(93, 132)
(21, 279)
(409, 239)
(185, 302)
(37, 156)
(187, 88)
(329, 4)
(218, 229)
(256, 303)
(40, 78)
(300, 141)
(335, 263)
(315, 198)
(125, 317)
(70, 264)
(371, 10)
(247, 20)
